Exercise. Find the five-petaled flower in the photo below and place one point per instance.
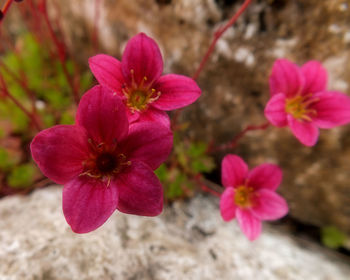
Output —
(250, 195)
(137, 80)
(300, 100)
(103, 163)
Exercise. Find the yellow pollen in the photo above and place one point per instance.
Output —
(298, 107)
(139, 96)
(243, 196)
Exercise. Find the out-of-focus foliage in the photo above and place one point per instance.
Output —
(37, 80)
(188, 161)
(332, 237)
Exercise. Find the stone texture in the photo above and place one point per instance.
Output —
(234, 83)
(188, 241)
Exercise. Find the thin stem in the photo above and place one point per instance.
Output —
(22, 83)
(211, 48)
(5, 9)
(217, 36)
(60, 48)
(238, 137)
(208, 186)
(7, 94)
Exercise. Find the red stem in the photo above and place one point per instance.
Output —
(217, 36)
(5, 9)
(238, 137)
(18, 104)
(60, 48)
(22, 83)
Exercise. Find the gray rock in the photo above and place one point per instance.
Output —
(188, 241)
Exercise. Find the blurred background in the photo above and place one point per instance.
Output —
(45, 46)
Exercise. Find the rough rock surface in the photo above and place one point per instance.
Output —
(188, 241)
(234, 83)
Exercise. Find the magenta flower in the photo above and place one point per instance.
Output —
(103, 163)
(300, 100)
(137, 80)
(250, 196)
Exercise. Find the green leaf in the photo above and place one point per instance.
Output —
(161, 173)
(174, 188)
(5, 160)
(332, 237)
(67, 118)
(197, 149)
(22, 176)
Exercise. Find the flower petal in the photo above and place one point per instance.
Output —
(155, 115)
(143, 57)
(60, 151)
(140, 192)
(148, 142)
(275, 110)
(265, 176)
(250, 225)
(306, 132)
(103, 115)
(315, 77)
(285, 78)
(177, 91)
(269, 205)
(88, 203)
(227, 206)
(108, 71)
(233, 171)
(333, 109)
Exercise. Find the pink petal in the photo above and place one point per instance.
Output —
(148, 142)
(306, 132)
(333, 109)
(250, 225)
(265, 176)
(140, 192)
(177, 91)
(315, 77)
(285, 78)
(60, 152)
(227, 206)
(132, 116)
(88, 203)
(107, 70)
(233, 171)
(275, 110)
(103, 115)
(269, 205)
(143, 57)
(155, 115)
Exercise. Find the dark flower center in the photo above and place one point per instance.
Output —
(106, 163)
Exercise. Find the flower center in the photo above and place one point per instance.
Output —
(299, 107)
(106, 163)
(243, 196)
(139, 96)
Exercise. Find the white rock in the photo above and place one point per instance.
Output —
(188, 241)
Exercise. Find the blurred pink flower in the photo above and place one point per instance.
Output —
(103, 163)
(137, 79)
(250, 196)
(300, 100)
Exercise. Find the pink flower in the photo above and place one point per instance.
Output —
(300, 100)
(103, 163)
(250, 196)
(137, 80)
